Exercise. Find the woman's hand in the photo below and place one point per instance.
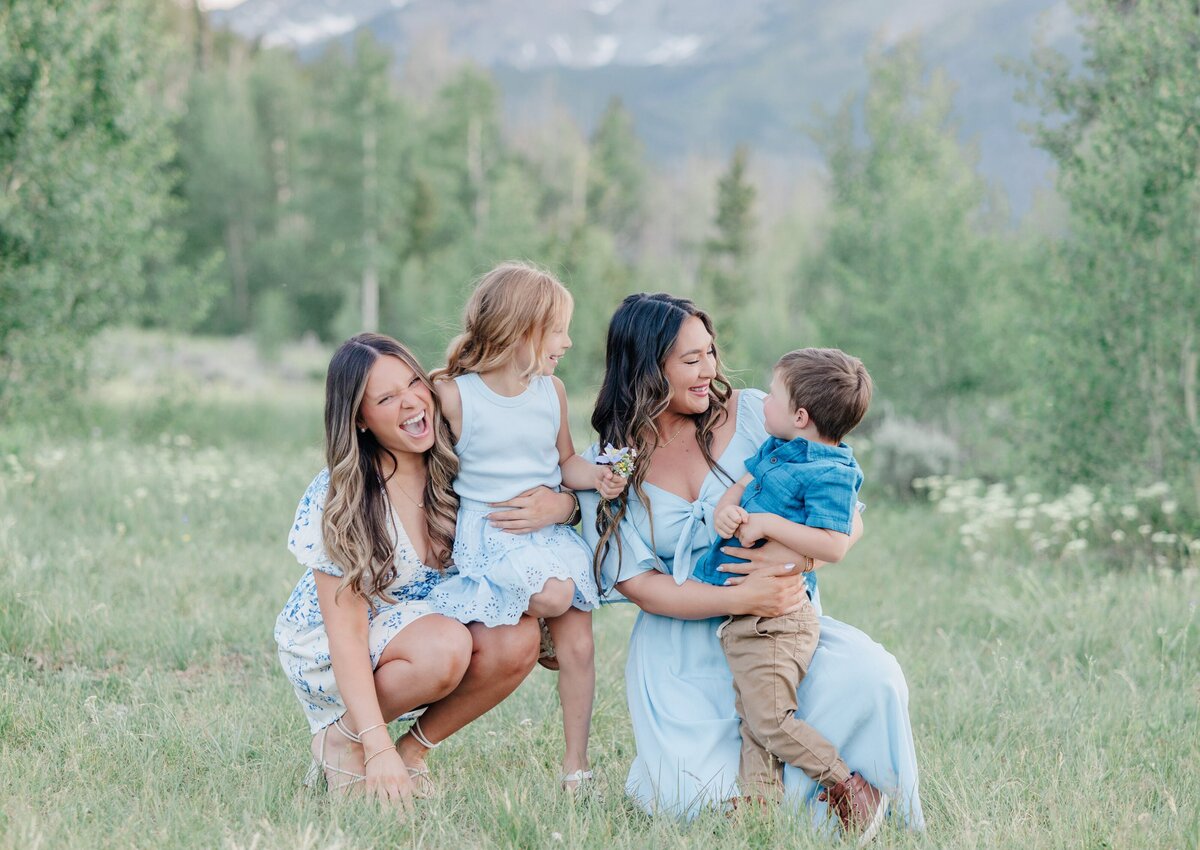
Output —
(770, 553)
(532, 510)
(388, 779)
(768, 585)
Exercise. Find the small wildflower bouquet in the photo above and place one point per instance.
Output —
(621, 460)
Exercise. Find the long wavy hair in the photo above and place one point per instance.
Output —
(509, 314)
(635, 392)
(355, 525)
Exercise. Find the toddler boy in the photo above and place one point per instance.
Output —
(801, 489)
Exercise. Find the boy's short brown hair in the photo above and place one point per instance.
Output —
(831, 385)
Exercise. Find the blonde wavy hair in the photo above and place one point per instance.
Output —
(357, 518)
(509, 314)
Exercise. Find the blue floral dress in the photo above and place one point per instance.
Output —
(300, 629)
(679, 688)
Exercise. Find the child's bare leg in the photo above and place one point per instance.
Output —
(553, 599)
(572, 633)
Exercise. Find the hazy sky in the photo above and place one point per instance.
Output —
(218, 4)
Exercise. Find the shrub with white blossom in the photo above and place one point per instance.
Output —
(1143, 528)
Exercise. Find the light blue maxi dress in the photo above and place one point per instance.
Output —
(680, 690)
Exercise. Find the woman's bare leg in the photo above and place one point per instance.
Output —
(422, 664)
(501, 658)
(425, 661)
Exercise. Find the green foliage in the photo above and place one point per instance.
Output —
(914, 276)
(616, 175)
(724, 271)
(1121, 351)
(85, 182)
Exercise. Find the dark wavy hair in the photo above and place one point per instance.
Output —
(635, 392)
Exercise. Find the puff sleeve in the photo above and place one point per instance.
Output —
(305, 540)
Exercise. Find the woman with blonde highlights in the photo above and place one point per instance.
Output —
(375, 529)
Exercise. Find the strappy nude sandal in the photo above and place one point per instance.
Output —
(580, 777)
(320, 767)
(423, 786)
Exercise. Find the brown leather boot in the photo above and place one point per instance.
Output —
(860, 806)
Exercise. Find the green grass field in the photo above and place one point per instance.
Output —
(142, 563)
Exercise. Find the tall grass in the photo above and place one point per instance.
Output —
(142, 563)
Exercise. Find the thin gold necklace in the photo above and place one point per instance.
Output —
(678, 431)
(420, 505)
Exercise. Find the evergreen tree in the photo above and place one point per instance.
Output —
(616, 178)
(724, 267)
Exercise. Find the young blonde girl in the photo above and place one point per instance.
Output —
(508, 414)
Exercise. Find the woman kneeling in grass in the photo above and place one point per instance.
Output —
(357, 638)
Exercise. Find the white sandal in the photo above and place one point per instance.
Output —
(319, 766)
(582, 777)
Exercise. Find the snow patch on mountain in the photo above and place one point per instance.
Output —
(675, 49)
(301, 33)
(603, 7)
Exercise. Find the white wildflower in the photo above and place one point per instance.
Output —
(1154, 491)
(1118, 536)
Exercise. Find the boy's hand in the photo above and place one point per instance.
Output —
(728, 518)
(753, 529)
(608, 483)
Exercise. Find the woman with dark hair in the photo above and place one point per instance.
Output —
(358, 639)
(664, 394)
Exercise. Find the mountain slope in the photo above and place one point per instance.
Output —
(700, 77)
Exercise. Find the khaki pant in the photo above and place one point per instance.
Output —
(769, 656)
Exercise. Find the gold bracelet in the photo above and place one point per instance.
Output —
(576, 515)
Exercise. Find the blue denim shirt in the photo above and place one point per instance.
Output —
(805, 482)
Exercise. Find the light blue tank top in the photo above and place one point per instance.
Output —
(506, 445)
